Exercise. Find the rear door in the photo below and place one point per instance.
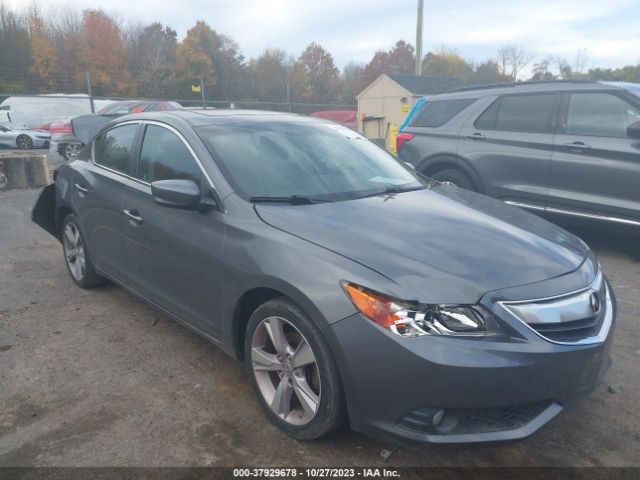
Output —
(98, 189)
(510, 144)
(596, 167)
(174, 255)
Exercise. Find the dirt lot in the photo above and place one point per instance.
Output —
(97, 378)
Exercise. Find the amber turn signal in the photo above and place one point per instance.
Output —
(375, 307)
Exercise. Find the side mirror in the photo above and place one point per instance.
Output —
(633, 130)
(184, 194)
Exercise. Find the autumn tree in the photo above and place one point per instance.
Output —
(194, 55)
(268, 75)
(446, 63)
(43, 53)
(399, 59)
(315, 76)
(103, 53)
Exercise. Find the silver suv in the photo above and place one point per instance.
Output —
(564, 147)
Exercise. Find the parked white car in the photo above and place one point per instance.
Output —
(22, 138)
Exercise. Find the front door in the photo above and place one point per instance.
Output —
(510, 146)
(174, 254)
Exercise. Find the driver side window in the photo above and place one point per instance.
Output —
(164, 156)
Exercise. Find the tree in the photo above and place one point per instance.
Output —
(43, 54)
(541, 70)
(400, 59)
(104, 53)
(513, 59)
(150, 52)
(315, 75)
(350, 82)
(15, 49)
(194, 55)
(446, 63)
(486, 73)
(268, 75)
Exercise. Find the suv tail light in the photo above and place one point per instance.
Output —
(401, 139)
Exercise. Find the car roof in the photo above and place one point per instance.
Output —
(479, 91)
(210, 116)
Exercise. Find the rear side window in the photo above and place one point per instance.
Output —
(112, 148)
(164, 156)
(520, 113)
(438, 112)
(600, 114)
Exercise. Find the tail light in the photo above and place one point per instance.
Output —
(401, 139)
(60, 128)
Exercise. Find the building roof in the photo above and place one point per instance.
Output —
(425, 85)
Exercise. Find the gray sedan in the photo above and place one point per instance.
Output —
(355, 289)
(23, 138)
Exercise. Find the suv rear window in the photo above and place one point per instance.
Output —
(438, 112)
(519, 113)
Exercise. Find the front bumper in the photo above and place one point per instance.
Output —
(489, 389)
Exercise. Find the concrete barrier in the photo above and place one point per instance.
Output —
(23, 170)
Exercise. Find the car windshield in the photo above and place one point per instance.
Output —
(303, 159)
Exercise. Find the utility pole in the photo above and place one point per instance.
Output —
(204, 103)
(91, 103)
(419, 39)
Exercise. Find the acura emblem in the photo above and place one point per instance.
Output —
(594, 302)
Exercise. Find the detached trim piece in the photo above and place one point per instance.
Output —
(574, 213)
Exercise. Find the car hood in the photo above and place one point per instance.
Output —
(440, 245)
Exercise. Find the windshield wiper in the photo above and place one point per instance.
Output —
(291, 200)
(391, 190)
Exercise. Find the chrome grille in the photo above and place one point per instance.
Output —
(580, 317)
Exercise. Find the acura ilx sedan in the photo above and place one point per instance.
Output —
(355, 289)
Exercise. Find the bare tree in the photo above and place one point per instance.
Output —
(513, 59)
(582, 60)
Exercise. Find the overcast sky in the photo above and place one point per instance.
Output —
(355, 29)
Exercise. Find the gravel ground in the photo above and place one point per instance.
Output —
(97, 378)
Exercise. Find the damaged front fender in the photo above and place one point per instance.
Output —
(44, 211)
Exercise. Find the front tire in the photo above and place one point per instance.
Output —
(24, 142)
(76, 255)
(292, 371)
(455, 177)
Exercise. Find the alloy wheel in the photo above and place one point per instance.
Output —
(286, 370)
(24, 142)
(74, 251)
(71, 150)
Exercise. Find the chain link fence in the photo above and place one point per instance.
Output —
(39, 111)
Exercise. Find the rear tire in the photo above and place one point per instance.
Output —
(71, 150)
(292, 371)
(456, 177)
(77, 256)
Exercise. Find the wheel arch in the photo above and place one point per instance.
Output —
(258, 293)
(438, 162)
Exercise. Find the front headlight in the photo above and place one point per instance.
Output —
(412, 320)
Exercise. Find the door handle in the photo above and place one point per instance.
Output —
(81, 189)
(477, 136)
(133, 215)
(577, 146)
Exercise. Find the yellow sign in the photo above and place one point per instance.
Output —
(405, 108)
(196, 88)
